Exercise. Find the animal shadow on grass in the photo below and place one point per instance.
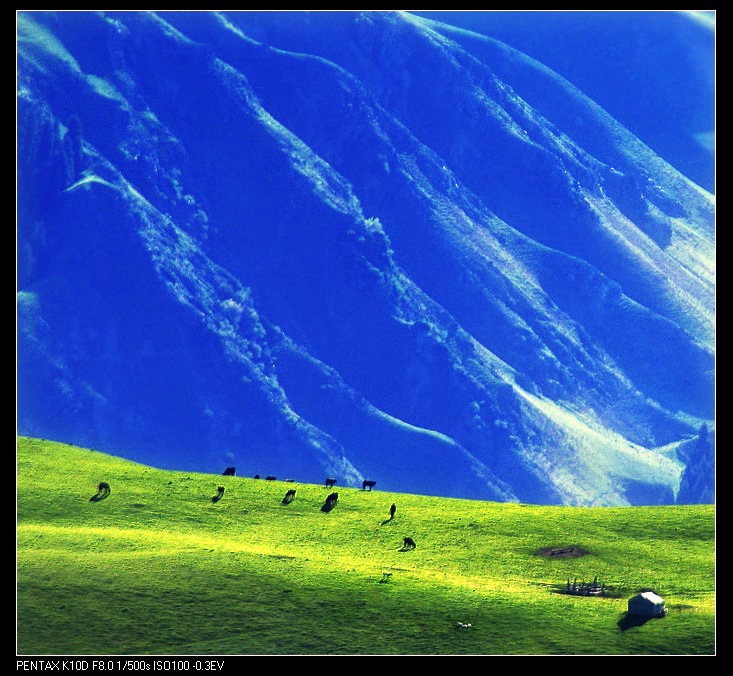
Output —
(103, 491)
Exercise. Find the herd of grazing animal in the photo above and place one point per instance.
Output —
(331, 501)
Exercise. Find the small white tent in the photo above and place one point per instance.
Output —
(647, 604)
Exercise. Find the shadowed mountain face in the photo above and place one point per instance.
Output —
(653, 71)
(357, 245)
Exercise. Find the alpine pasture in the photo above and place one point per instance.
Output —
(159, 566)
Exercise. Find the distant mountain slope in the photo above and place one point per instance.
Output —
(352, 244)
(654, 71)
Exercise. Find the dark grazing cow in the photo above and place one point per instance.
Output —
(330, 503)
(256, 476)
(103, 490)
(368, 484)
(408, 543)
(289, 496)
(330, 482)
(270, 478)
(219, 495)
(230, 471)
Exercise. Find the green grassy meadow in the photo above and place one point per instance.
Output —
(158, 568)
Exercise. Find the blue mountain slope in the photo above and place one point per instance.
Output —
(348, 244)
(654, 71)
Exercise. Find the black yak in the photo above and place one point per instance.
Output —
(330, 503)
(368, 484)
(269, 477)
(103, 490)
(219, 495)
(407, 543)
(230, 471)
(289, 496)
(330, 482)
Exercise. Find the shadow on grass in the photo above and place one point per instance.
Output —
(572, 551)
(630, 620)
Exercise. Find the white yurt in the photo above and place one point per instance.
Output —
(647, 604)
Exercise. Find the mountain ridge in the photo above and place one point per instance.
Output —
(304, 250)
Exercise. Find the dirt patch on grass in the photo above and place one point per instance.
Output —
(568, 552)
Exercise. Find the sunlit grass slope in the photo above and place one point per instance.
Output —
(159, 568)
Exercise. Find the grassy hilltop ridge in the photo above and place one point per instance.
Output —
(159, 568)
